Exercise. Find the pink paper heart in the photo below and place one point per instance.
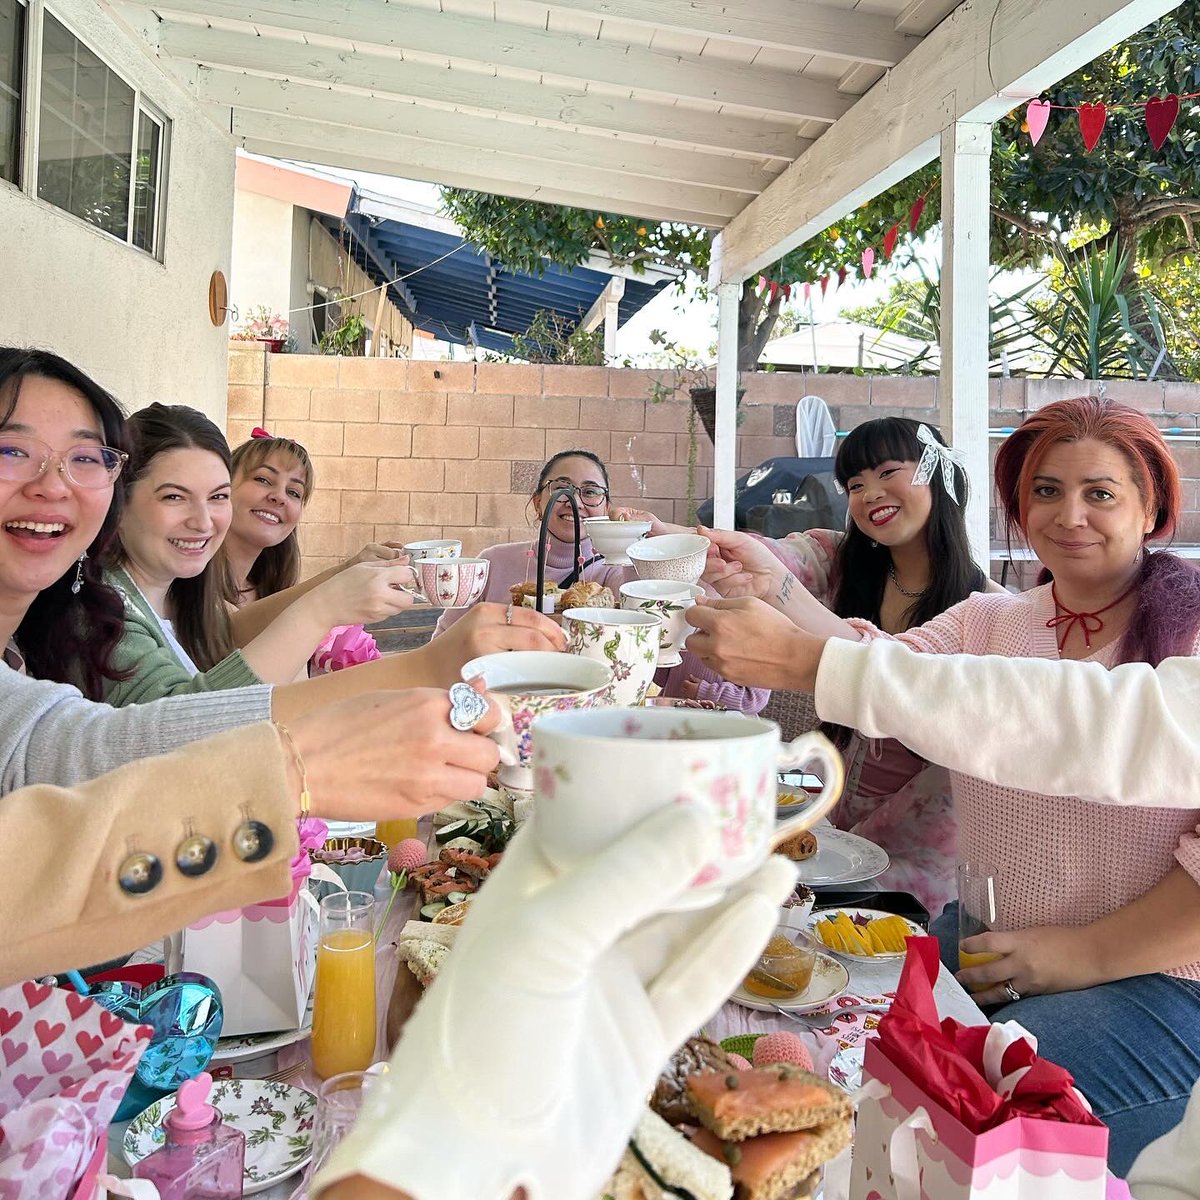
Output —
(63, 1176)
(1037, 114)
(62, 1137)
(13, 1050)
(33, 1154)
(94, 1095)
(55, 1062)
(26, 1083)
(66, 1082)
(868, 262)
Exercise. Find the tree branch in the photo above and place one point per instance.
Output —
(1024, 224)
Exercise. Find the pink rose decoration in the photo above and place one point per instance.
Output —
(313, 832)
(344, 646)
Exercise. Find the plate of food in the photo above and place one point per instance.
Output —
(829, 980)
(827, 856)
(796, 791)
(864, 932)
(276, 1119)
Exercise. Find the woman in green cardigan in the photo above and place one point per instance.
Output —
(178, 633)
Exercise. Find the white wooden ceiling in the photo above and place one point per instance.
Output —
(667, 109)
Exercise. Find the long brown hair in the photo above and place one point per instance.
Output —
(198, 605)
(276, 568)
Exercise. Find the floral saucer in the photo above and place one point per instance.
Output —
(277, 1120)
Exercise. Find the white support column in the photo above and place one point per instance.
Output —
(606, 309)
(725, 451)
(965, 269)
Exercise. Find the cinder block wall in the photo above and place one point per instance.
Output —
(406, 450)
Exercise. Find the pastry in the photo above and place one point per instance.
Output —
(522, 594)
(585, 595)
(740, 1104)
(696, 1055)
(799, 847)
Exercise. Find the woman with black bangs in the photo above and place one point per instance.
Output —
(903, 560)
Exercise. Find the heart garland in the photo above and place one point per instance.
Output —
(1160, 114)
(1160, 117)
(1091, 123)
(1037, 115)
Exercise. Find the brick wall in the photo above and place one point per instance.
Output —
(407, 450)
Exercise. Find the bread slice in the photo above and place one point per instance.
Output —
(424, 958)
(676, 1166)
(427, 931)
(778, 1098)
(778, 1166)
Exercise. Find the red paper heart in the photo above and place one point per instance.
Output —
(77, 1005)
(914, 215)
(889, 241)
(13, 1050)
(110, 1023)
(89, 1043)
(9, 1020)
(1160, 116)
(842, 273)
(26, 1083)
(55, 1062)
(36, 993)
(1091, 124)
(47, 1033)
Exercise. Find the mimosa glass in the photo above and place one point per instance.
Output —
(391, 833)
(978, 910)
(343, 1037)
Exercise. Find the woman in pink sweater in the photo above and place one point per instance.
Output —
(516, 562)
(1100, 907)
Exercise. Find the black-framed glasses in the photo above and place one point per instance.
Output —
(590, 493)
(24, 459)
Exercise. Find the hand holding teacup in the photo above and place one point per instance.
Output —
(749, 642)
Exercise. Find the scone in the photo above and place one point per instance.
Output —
(801, 846)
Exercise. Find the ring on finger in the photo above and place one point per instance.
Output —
(1010, 991)
(467, 707)
(508, 615)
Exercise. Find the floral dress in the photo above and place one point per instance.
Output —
(892, 797)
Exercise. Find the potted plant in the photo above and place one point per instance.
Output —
(263, 325)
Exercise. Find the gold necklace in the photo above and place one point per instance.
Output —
(900, 587)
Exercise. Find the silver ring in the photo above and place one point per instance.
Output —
(508, 615)
(1010, 991)
(467, 707)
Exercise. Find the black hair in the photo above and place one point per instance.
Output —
(64, 635)
(546, 470)
(860, 570)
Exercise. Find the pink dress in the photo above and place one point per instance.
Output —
(893, 798)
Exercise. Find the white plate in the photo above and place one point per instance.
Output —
(829, 980)
(914, 929)
(255, 1045)
(842, 858)
(276, 1119)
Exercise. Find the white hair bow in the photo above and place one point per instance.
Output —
(933, 455)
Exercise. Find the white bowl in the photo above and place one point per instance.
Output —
(678, 556)
(613, 538)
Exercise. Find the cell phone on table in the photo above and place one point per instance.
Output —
(904, 904)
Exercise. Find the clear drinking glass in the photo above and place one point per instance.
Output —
(343, 1037)
(978, 909)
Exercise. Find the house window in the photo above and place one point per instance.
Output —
(12, 53)
(101, 153)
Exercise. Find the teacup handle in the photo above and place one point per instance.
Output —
(807, 748)
(504, 735)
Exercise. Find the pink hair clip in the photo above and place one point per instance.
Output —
(259, 432)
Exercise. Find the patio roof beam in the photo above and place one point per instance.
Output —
(978, 64)
(794, 25)
(357, 71)
(440, 127)
(454, 36)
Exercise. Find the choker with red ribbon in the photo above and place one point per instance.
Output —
(1089, 622)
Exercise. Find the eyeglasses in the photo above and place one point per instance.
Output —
(592, 495)
(24, 459)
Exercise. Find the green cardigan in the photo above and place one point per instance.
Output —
(157, 671)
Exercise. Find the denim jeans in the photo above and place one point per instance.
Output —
(1132, 1045)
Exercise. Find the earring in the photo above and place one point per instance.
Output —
(874, 544)
(77, 583)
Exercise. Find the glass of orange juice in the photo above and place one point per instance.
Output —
(391, 833)
(343, 1037)
(978, 910)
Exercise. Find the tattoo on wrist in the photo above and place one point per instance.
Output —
(785, 588)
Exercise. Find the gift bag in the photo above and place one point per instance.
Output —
(263, 958)
(955, 1112)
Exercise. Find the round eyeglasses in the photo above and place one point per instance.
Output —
(591, 494)
(24, 459)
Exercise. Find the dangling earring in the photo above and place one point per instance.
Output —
(77, 583)
(874, 544)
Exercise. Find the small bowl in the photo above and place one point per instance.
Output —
(613, 538)
(359, 875)
(678, 556)
(434, 548)
(792, 966)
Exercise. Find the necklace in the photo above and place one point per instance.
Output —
(900, 587)
(1089, 622)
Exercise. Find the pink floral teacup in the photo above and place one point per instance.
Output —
(598, 773)
(452, 582)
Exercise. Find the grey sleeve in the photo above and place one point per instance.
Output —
(50, 734)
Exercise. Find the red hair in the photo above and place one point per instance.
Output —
(1117, 425)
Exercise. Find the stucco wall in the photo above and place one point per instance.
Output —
(424, 449)
(139, 326)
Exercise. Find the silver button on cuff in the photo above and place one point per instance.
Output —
(195, 855)
(139, 873)
(253, 841)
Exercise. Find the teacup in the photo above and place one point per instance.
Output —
(669, 601)
(435, 548)
(678, 556)
(612, 538)
(529, 684)
(650, 757)
(627, 642)
(452, 582)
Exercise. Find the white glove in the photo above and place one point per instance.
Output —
(529, 1060)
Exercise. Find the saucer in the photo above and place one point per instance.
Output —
(829, 980)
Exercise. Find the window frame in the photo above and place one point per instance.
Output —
(21, 95)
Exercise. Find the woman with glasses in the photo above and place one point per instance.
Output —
(585, 474)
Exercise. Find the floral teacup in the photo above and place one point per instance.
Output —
(626, 642)
(452, 582)
(669, 601)
(647, 757)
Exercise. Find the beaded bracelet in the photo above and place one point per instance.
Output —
(305, 794)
